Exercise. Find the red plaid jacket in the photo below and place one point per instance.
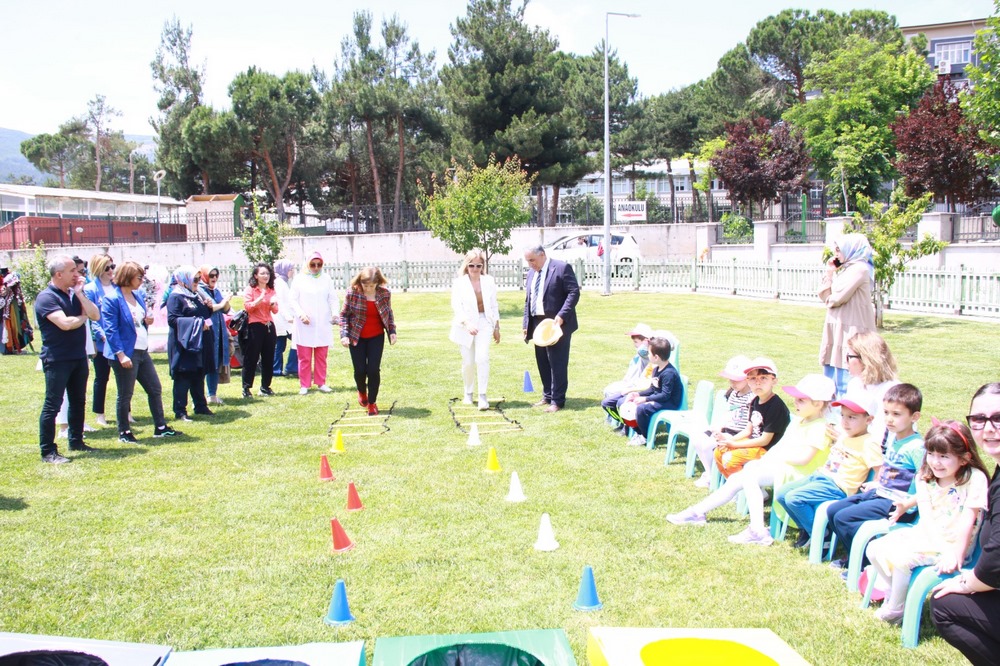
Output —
(355, 311)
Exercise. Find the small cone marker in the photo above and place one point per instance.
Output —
(474, 435)
(492, 464)
(528, 388)
(339, 613)
(586, 599)
(341, 542)
(516, 493)
(325, 473)
(546, 538)
(338, 443)
(353, 501)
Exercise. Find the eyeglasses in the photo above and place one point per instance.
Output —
(475, 265)
(978, 421)
(854, 356)
(213, 275)
(110, 267)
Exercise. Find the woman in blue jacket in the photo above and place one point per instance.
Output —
(125, 322)
(101, 267)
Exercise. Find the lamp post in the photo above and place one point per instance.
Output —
(607, 158)
(142, 177)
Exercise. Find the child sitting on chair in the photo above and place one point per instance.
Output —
(799, 452)
(664, 392)
(766, 425)
(738, 399)
(851, 458)
(633, 378)
(951, 496)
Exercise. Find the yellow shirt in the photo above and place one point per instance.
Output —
(850, 460)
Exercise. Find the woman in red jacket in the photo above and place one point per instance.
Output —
(364, 321)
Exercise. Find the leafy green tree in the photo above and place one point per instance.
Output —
(61, 153)
(261, 241)
(981, 100)
(863, 87)
(273, 113)
(674, 125)
(99, 115)
(478, 206)
(33, 271)
(884, 227)
(215, 144)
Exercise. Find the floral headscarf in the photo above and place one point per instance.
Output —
(184, 275)
(855, 247)
(283, 268)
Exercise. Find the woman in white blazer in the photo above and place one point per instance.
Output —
(477, 319)
(316, 306)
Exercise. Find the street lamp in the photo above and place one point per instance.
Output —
(142, 177)
(607, 158)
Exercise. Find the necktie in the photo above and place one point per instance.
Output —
(535, 305)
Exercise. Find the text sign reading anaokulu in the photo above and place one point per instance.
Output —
(632, 211)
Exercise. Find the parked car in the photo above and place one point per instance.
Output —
(589, 248)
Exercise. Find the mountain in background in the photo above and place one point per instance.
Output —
(13, 163)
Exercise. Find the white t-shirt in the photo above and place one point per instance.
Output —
(141, 334)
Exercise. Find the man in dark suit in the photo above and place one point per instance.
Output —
(551, 291)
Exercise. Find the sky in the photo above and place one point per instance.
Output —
(57, 55)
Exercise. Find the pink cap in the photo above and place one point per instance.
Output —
(734, 369)
(762, 363)
(858, 401)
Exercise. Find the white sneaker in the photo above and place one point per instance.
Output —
(890, 615)
(323, 388)
(687, 517)
(467, 400)
(704, 481)
(749, 536)
(89, 428)
(214, 400)
(637, 440)
(484, 404)
(303, 391)
(100, 420)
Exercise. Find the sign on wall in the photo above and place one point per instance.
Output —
(630, 211)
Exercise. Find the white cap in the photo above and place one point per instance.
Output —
(641, 329)
(734, 370)
(813, 387)
(858, 401)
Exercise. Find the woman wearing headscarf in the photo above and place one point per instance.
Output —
(258, 301)
(190, 341)
(315, 304)
(102, 268)
(846, 290)
(364, 320)
(284, 272)
(476, 322)
(220, 348)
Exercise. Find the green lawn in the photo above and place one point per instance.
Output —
(223, 538)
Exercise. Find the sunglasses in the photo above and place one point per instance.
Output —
(475, 265)
(110, 267)
(315, 264)
(213, 275)
(978, 421)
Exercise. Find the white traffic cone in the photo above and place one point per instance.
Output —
(546, 539)
(516, 493)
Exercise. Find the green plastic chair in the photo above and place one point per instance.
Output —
(663, 415)
(685, 423)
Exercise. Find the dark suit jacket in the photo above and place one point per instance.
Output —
(560, 294)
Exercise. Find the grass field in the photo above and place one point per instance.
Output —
(222, 538)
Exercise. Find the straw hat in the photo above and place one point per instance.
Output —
(547, 333)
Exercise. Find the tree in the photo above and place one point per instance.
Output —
(863, 86)
(760, 161)
(33, 270)
(941, 152)
(61, 153)
(884, 228)
(274, 112)
(261, 241)
(214, 144)
(99, 115)
(478, 207)
(674, 126)
(981, 100)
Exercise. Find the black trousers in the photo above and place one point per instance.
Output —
(553, 368)
(260, 343)
(970, 622)
(102, 373)
(69, 377)
(144, 372)
(193, 382)
(366, 356)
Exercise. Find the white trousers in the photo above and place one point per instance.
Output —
(751, 479)
(476, 358)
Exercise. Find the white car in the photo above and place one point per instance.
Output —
(589, 248)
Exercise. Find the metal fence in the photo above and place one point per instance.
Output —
(977, 228)
(943, 291)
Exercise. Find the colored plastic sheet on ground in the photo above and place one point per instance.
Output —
(536, 647)
(627, 646)
(309, 654)
(112, 653)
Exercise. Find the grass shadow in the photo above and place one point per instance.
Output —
(12, 503)
(921, 324)
(411, 412)
(110, 454)
(220, 416)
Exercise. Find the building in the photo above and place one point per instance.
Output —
(949, 46)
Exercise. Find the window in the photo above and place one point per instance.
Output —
(680, 184)
(620, 186)
(957, 53)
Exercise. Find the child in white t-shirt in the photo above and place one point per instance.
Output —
(738, 399)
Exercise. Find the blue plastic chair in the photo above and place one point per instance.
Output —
(816, 555)
(664, 415)
(684, 423)
(719, 414)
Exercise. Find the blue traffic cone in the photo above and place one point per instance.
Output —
(528, 388)
(340, 612)
(586, 599)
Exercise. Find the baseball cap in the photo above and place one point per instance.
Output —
(813, 387)
(734, 369)
(858, 401)
(643, 330)
(762, 363)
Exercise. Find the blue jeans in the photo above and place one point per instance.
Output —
(69, 377)
(800, 498)
(840, 377)
(280, 343)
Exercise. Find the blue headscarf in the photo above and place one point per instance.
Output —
(283, 267)
(855, 247)
(184, 275)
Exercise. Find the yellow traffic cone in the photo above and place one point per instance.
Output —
(338, 444)
(492, 464)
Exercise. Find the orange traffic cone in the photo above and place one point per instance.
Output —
(325, 473)
(341, 542)
(353, 501)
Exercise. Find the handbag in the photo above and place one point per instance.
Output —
(239, 322)
(225, 373)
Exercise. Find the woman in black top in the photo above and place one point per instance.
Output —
(966, 608)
